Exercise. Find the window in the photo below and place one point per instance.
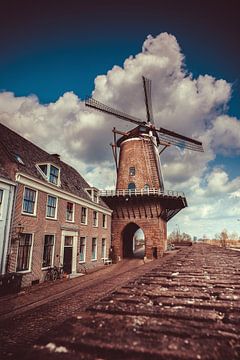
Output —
(82, 250)
(132, 171)
(51, 207)
(24, 252)
(95, 218)
(84, 215)
(69, 214)
(48, 250)
(103, 252)
(29, 201)
(131, 186)
(94, 248)
(104, 221)
(95, 196)
(54, 173)
(1, 201)
(50, 172)
(44, 168)
(146, 187)
(68, 241)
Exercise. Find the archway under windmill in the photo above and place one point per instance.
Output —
(133, 241)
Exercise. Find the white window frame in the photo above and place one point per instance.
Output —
(35, 204)
(105, 252)
(95, 211)
(53, 251)
(47, 177)
(95, 259)
(56, 211)
(73, 213)
(85, 249)
(105, 224)
(2, 203)
(86, 216)
(30, 257)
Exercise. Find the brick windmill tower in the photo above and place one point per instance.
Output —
(140, 200)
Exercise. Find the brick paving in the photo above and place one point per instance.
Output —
(186, 307)
(28, 315)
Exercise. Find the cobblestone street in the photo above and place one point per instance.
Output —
(23, 318)
(183, 306)
(187, 307)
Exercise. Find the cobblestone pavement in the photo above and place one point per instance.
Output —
(24, 317)
(187, 307)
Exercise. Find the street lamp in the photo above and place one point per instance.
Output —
(178, 232)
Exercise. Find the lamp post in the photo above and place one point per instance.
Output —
(178, 232)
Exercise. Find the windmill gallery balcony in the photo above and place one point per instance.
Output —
(167, 203)
(142, 192)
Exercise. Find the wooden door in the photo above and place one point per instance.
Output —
(67, 260)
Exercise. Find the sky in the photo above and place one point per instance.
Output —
(56, 53)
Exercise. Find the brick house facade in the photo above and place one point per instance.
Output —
(58, 218)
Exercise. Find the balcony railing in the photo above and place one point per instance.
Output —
(140, 192)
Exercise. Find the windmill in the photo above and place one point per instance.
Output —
(140, 200)
(156, 138)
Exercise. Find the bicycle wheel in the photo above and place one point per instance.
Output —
(48, 276)
(54, 275)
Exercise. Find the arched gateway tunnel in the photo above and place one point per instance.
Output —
(133, 241)
(149, 211)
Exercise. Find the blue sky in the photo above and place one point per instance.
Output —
(49, 48)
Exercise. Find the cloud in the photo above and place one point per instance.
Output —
(195, 107)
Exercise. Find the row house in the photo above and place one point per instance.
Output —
(58, 218)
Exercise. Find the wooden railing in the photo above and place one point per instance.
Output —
(141, 192)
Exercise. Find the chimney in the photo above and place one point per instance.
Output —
(57, 156)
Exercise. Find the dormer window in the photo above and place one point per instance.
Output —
(44, 168)
(50, 173)
(93, 192)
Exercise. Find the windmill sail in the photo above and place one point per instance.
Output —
(148, 99)
(97, 105)
(179, 140)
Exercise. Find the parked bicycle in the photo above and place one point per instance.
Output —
(54, 273)
(82, 269)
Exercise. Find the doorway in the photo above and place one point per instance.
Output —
(133, 242)
(67, 254)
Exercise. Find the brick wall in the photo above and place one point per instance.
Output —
(146, 215)
(137, 153)
(39, 226)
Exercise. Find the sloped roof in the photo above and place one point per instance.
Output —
(30, 154)
(4, 174)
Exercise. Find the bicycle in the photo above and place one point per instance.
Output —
(54, 273)
(82, 269)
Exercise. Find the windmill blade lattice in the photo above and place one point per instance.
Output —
(95, 104)
(179, 140)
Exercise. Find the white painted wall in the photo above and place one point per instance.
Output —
(5, 220)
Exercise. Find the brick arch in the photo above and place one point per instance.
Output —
(127, 239)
